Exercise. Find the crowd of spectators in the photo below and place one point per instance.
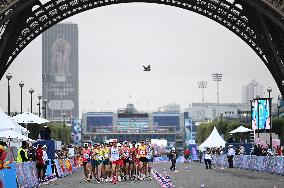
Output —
(264, 150)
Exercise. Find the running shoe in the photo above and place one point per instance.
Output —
(148, 178)
(113, 180)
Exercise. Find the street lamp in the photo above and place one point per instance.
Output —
(21, 84)
(45, 108)
(39, 98)
(269, 90)
(64, 125)
(31, 92)
(202, 85)
(9, 77)
(217, 77)
(279, 105)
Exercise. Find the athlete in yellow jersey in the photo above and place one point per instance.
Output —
(106, 173)
(141, 154)
(97, 158)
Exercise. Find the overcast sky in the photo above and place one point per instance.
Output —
(115, 41)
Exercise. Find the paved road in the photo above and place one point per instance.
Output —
(217, 178)
(193, 178)
(76, 181)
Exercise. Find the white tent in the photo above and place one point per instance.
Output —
(28, 117)
(10, 134)
(241, 129)
(7, 123)
(214, 140)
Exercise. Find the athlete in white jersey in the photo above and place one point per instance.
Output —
(114, 159)
(149, 157)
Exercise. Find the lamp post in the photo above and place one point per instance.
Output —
(64, 125)
(221, 118)
(39, 98)
(251, 100)
(217, 77)
(279, 105)
(21, 84)
(31, 92)
(9, 77)
(258, 118)
(269, 90)
(45, 108)
(202, 85)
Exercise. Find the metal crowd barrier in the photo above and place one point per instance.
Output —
(265, 164)
(26, 175)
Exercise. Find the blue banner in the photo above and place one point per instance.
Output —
(194, 152)
(8, 177)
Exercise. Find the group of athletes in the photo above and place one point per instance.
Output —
(114, 162)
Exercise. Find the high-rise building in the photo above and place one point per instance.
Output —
(251, 90)
(60, 84)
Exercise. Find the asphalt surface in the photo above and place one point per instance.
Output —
(194, 177)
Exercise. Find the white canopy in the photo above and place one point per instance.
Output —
(214, 140)
(10, 134)
(7, 123)
(28, 117)
(241, 129)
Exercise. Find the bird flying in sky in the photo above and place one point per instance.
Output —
(147, 68)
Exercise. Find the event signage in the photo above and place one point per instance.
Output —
(261, 113)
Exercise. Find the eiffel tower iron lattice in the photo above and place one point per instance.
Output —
(259, 23)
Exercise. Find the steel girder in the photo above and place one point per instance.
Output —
(258, 23)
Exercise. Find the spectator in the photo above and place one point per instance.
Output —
(200, 154)
(173, 157)
(45, 161)
(186, 155)
(231, 154)
(278, 151)
(39, 162)
(22, 153)
(32, 153)
(207, 158)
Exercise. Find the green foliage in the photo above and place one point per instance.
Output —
(278, 128)
(60, 132)
(224, 127)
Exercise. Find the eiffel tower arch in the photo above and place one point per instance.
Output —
(259, 23)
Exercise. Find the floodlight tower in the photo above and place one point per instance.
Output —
(217, 77)
(202, 85)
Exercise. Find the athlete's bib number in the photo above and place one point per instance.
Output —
(126, 154)
(86, 155)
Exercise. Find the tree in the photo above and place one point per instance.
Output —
(278, 128)
(60, 132)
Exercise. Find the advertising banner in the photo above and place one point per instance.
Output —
(58, 168)
(60, 71)
(22, 181)
(261, 114)
(76, 131)
(8, 177)
(194, 152)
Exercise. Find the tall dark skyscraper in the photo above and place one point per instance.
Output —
(60, 84)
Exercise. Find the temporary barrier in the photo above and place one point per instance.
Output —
(265, 164)
(8, 177)
(26, 174)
